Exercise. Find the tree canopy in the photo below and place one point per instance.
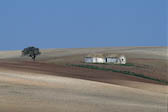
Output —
(31, 52)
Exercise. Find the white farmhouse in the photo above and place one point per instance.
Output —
(105, 58)
(115, 58)
(94, 58)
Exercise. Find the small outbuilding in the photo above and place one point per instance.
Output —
(115, 58)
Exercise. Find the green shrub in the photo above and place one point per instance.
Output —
(127, 64)
(123, 72)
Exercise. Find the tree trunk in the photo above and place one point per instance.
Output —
(34, 58)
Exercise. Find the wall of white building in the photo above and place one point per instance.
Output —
(122, 60)
(88, 60)
(94, 60)
(100, 60)
(111, 60)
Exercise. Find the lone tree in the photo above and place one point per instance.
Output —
(31, 52)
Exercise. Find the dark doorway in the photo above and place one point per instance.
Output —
(106, 59)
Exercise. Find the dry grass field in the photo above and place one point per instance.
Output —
(52, 84)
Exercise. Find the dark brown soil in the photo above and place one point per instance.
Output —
(74, 72)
